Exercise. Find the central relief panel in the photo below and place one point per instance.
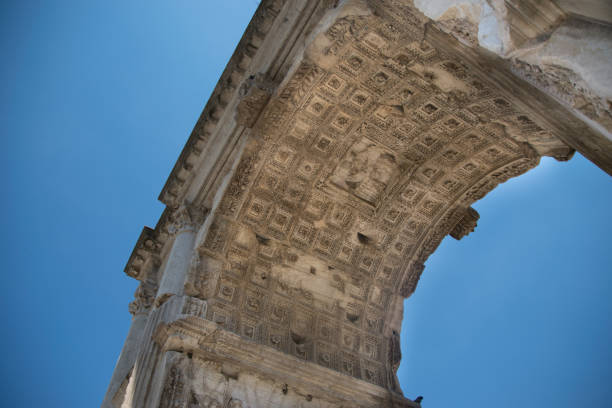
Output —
(363, 162)
(366, 171)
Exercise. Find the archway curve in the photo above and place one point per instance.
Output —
(351, 173)
(522, 303)
(341, 173)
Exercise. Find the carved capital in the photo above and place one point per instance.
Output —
(186, 218)
(143, 298)
(466, 225)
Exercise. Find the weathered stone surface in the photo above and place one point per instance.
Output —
(466, 225)
(345, 140)
(560, 50)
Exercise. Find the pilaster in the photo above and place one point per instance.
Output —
(183, 227)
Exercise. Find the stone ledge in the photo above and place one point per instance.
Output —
(209, 341)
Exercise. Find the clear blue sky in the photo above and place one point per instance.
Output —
(97, 100)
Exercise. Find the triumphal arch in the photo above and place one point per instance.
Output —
(343, 142)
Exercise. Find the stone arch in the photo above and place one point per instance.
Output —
(356, 168)
(319, 179)
(505, 299)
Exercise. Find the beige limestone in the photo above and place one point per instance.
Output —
(559, 48)
(344, 141)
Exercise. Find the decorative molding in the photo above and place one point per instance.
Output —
(347, 162)
(205, 341)
(466, 225)
(237, 68)
(186, 218)
(255, 94)
(147, 248)
(143, 298)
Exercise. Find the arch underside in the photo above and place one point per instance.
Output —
(361, 162)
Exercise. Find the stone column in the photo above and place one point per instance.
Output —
(139, 308)
(184, 225)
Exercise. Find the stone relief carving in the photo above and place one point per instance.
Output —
(255, 92)
(204, 402)
(237, 188)
(194, 307)
(145, 252)
(186, 217)
(143, 297)
(368, 164)
(195, 383)
(174, 387)
(466, 225)
(366, 171)
(371, 151)
(394, 356)
(198, 283)
(568, 86)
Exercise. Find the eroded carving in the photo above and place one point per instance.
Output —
(186, 217)
(143, 297)
(255, 94)
(466, 225)
(174, 387)
(568, 86)
(366, 171)
(369, 162)
(145, 252)
(371, 151)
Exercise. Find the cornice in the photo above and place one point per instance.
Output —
(147, 246)
(241, 80)
(240, 66)
(257, 53)
(207, 340)
(564, 122)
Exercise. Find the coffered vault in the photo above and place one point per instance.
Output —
(343, 142)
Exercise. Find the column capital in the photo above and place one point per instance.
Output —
(143, 298)
(186, 217)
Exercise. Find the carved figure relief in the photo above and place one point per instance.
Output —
(366, 170)
(172, 394)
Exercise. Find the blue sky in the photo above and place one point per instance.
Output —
(97, 100)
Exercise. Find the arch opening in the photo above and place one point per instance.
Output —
(526, 294)
(340, 164)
